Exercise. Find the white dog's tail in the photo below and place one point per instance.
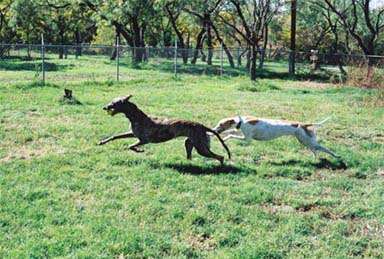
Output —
(319, 124)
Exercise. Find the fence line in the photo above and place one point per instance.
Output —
(270, 61)
(282, 51)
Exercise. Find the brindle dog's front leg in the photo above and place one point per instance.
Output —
(129, 134)
(134, 146)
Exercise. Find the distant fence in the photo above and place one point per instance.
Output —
(48, 62)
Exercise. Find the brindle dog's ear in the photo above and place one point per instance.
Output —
(128, 97)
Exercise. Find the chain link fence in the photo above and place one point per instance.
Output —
(53, 63)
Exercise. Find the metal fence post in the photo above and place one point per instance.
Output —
(221, 59)
(42, 58)
(175, 58)
(117, 58)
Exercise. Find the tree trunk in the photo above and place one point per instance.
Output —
(29, 46)
(253, 61)
(335, 52)
(199, 46)
(229, 55)
(61, 49)
(238, 57)
(114, 52)
(78, 51)
(181, 48)
(181, 45)
(293, 39)
(371, 65)
(203, 57)
(139, 51)
(207, 23)
(265, 43)
(61, 28)
(248, 64)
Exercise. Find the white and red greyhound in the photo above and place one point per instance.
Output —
(267, 129)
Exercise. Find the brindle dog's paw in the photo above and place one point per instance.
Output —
(136, 149)
(101, 142)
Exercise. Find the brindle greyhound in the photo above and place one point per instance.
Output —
(150, 129)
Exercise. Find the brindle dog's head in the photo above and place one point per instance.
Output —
(118, 105)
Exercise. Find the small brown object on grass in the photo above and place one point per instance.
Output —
(67, 93)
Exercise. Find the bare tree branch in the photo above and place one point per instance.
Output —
(235, 28)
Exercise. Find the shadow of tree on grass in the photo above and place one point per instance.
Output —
(31, 66)
(214, 70)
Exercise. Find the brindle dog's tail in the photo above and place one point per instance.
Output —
(221, 140)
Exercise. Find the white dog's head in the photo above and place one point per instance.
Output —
(228, 123)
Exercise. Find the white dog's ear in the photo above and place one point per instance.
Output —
(238, 119)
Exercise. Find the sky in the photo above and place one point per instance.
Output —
(377, 3)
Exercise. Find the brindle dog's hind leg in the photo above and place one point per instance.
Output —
(202, 149)
(188, 147)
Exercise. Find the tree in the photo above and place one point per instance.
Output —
(331, 24)
(60, 17)
(313, 29)
(5, 8)
(203, 10)
(254, 16)
(292, 45)
(360, 21)
(26, 21)
(363, 24)
(130, 19)
(173, 10)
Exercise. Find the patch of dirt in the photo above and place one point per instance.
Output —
(273, 209)
(317, 85)
(83, 201)
(380, 172)
(320, 210)
(32, 122)
(199, 241)
(374, 230)
(307, 207)
(35, 148)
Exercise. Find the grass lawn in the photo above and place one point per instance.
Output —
(61, 195)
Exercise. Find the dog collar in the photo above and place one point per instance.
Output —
(239, 123)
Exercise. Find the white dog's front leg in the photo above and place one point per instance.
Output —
(231, 131)
(234, 137)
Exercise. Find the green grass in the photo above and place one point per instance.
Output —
(64, 196)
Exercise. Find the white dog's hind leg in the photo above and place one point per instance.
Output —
(326, 150)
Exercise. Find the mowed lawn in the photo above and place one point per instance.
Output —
(61, 195)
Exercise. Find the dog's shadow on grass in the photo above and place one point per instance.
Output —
(209, 169)
(321, 164)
